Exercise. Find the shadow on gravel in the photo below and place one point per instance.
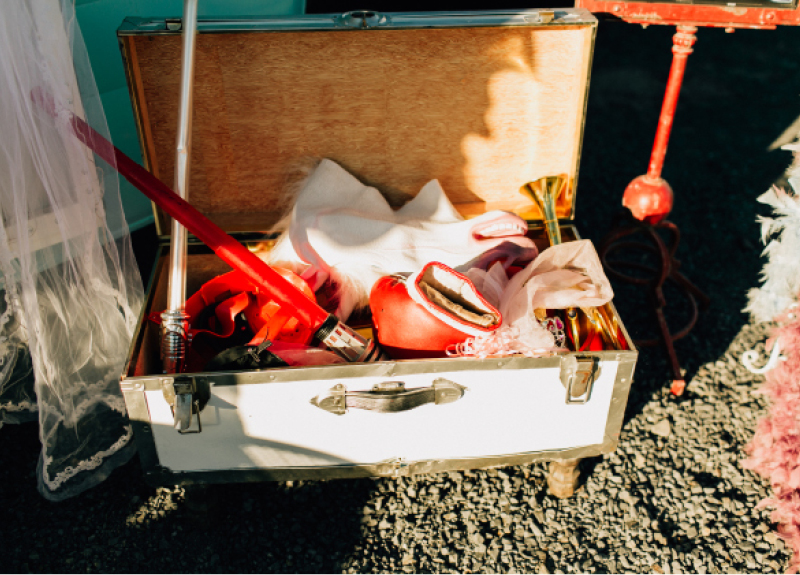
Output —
(126, 526)
(262, 528)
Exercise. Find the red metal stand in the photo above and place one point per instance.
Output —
(682, 43)
(649, 197)
(653, 279)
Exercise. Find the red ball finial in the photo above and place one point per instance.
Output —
(648, 198)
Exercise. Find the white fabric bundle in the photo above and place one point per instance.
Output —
(346, 231)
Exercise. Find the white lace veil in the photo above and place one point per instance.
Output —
(71, 291)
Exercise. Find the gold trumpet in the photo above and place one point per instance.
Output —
(545, 193)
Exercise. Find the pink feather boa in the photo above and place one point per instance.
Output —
(774, 451)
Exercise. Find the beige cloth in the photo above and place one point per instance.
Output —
(566, 275)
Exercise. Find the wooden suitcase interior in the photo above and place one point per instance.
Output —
(484, 110)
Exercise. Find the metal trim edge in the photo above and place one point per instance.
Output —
(162, 476)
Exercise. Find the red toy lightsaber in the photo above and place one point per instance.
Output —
(326, 327)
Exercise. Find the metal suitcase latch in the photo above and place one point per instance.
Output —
(362, 19)
(388, 397)
(578, 374)
(186, 396)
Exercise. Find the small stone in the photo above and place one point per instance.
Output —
(771, 538)
(662, 428)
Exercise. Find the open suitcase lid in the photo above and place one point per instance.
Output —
(483, 102)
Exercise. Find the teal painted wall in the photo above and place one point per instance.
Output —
(99, 20)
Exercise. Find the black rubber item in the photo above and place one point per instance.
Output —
(244, 357)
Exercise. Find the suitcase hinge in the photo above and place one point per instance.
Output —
(174, 24)
(362, 19)
(578, 374)
(393, 467)
(541, 17)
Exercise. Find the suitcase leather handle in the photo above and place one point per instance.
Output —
(388, 397)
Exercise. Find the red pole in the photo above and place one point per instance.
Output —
(682, 43)
(227, 248)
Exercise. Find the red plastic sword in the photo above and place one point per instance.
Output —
(326, 327)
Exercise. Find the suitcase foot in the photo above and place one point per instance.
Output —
(562, 478)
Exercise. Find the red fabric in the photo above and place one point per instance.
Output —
(234, 293)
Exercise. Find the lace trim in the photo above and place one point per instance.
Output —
(102, 391)
(114, 402)
(21, 406)
(88, 465)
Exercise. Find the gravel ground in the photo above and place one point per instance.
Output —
(673, 498)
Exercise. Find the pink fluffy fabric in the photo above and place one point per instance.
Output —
(774, 451)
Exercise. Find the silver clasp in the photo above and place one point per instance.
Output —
(182, 395)
(578, 374)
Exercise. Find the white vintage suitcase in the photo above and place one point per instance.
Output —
(485, 102)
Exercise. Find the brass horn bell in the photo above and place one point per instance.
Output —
(545, 193)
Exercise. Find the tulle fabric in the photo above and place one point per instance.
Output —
(71, 291)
